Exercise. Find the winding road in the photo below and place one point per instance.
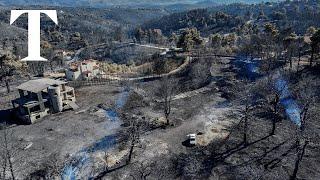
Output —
(189, 59)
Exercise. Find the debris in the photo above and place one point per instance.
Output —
(73, 105)
(28, 146)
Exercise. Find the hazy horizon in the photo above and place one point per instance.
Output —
(97, 3)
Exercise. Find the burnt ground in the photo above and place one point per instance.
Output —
(207, 114)
(63, 135)
(161, 153)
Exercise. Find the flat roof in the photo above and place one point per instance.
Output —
(38, 85)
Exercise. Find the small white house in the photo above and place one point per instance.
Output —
(83, 70)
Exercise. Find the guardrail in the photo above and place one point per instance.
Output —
(93, 82)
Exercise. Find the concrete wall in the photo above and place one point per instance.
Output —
(56, 99)
(83, 67)
(33, 117)
(73, 75)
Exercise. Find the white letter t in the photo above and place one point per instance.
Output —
(34, 30)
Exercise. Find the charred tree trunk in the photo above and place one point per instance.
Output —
(11, 167)
(312, 57)
(290, 60)
(275, 114)
(166, 89)
(130, 152)
(303, 116)
(245, 128)
(299, 60)
(273, 131)
(167, 108)
(245, 134)
(6, 80)
(134, 137)
(300, 154)
(167, 112)
(4, 167)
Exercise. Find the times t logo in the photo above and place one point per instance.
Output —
(34, 30)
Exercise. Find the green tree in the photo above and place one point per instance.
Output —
(271, 34)
(215, 40)
(9, 67)
(271, 30)
(230, 40)
(77, 41)
(155, 36)
(189, 39)
(315, 42)
(118, 34)
(139, 35)
(311, 31)
(290, 44)
(278, 15)
(173, 39)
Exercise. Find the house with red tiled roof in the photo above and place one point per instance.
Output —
(83, 70)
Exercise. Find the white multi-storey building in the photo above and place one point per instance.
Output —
(83, 70)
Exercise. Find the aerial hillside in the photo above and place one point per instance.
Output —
(298, 15)
(100, 23)
(202, 19)
(164, 91)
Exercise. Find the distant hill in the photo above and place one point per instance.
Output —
(287, 15)
(108, 3)
(202, 19)
(94, 25)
